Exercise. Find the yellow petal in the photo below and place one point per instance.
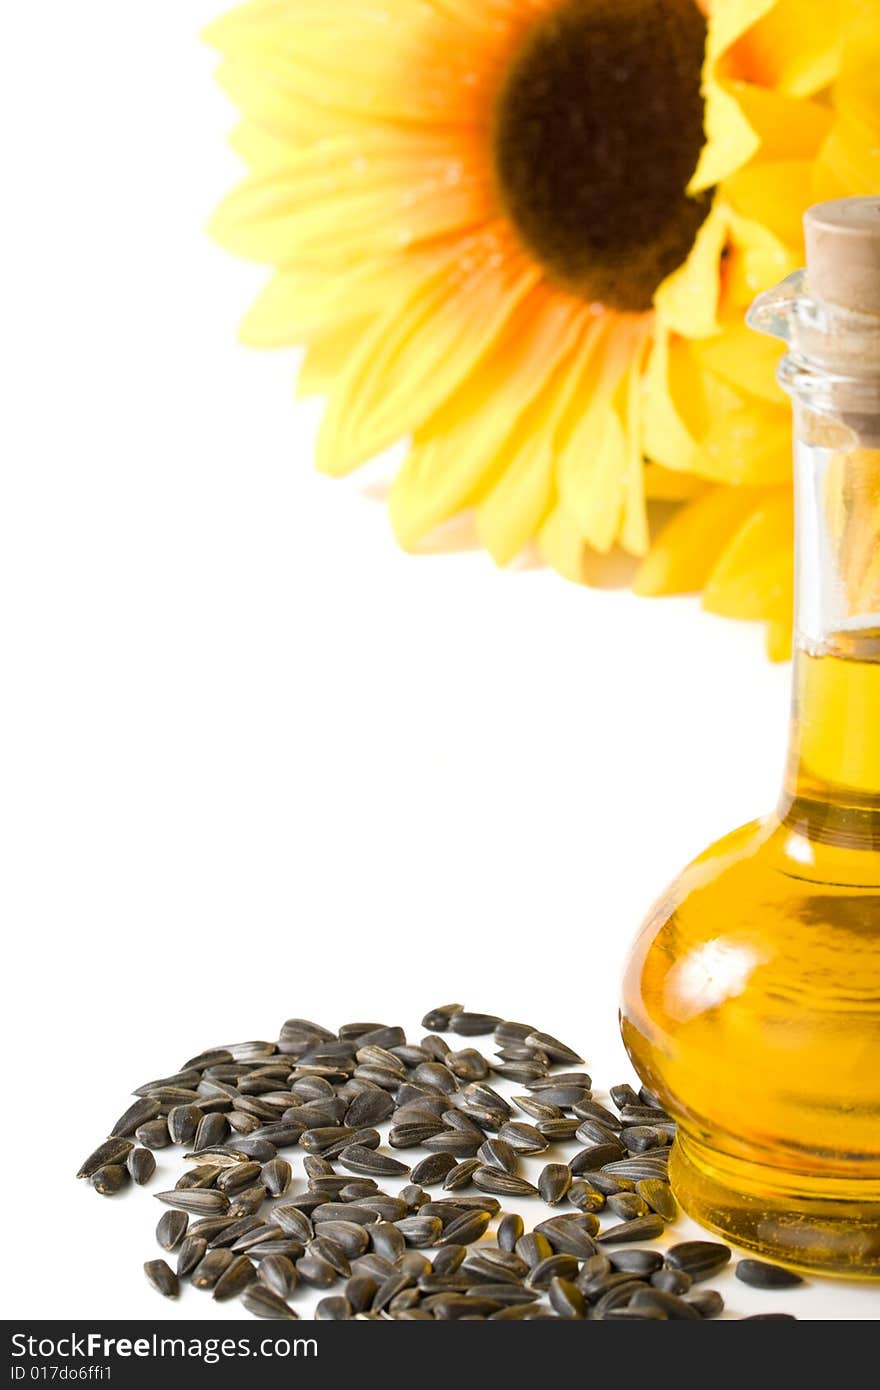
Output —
(757, 260)
(674, 415)
(849, 163)
(687, 301)
(463, 443)
(634, 534)
(776, 194)
(795, 47)
(513, 508)
(594, 460)
(681, 558)
(327, 356)
(749, 445)
(382, 61)
(730, 139)
(419, 352)
(670, 485)
(748, 361)
(754, 571)
(561, 546)
(353, 196)
(787, 127)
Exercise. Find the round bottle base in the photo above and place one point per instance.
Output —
(827, 1226)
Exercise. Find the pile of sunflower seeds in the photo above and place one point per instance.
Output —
(238, 1227)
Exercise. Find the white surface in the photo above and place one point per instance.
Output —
(256, 762)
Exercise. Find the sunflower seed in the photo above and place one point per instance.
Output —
(232, 1233)
(276, 1176)
(358, 1159)
(592, 1131)
(553, 1047)
(557, 1266)
(571, 1234)
(263, 1302)
(659, 1197)
(162, 1278)
(433, 1169)
(641, 1263)
(566, 1298)
(315, 1271)
(454, 1142)
(641, 1228)
(708, 1303)
(154, 1134)
(671, 1280)
(698, 1258)
(203, 1175)
(421, 1232)
(141, 1165)
(369, 1108)
(240, 1122)
(470, 1025)
(344, 1211)
(461, 1175)
(524, 1138)
(465, 1229)
(360, 1290)
(505, 1184)
(191, 1251)
(201, 1201)
(171, 1229)
(496, 1153)
(234, 1279)
(387, 1240)
(137, 1114)
(510, 1229)
(110, 1179)
(182, 1122)
(468, 1064)
(211, 1131)
(628, 1205)
(539, 1110)
(351, 1239)
(554, 1182)
(585, 1196)
(237, 1179)
(385, 1208)
(112, 1151)
(557, 1131)
(675, 1308)
(592, 1159)
(761, 1275)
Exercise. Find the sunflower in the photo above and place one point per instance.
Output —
(521, 235)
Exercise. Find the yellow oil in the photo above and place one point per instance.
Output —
(752, 999)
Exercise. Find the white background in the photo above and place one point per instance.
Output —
(255, 761)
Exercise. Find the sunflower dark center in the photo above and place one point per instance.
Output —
(598, 129)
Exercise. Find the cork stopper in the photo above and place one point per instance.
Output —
(843, 253)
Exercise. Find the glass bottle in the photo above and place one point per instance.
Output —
(751, 1002)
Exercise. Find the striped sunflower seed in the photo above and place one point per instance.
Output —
(141, 1165)
(162, 1278)
(171, 1229)
(504, 1184)
(112, 1151)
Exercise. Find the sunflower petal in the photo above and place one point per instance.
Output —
(744, 359)
(561, 545)
(353, 196)
(754, 571)
(850, 160)
(730, 139)
(681, 558)
(774, 194)
(795, 47)
(749, 445)
(687, 301)
(593, 458)
(463, 443)
(418, 352)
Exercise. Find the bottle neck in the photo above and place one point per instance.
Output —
(832, 786)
